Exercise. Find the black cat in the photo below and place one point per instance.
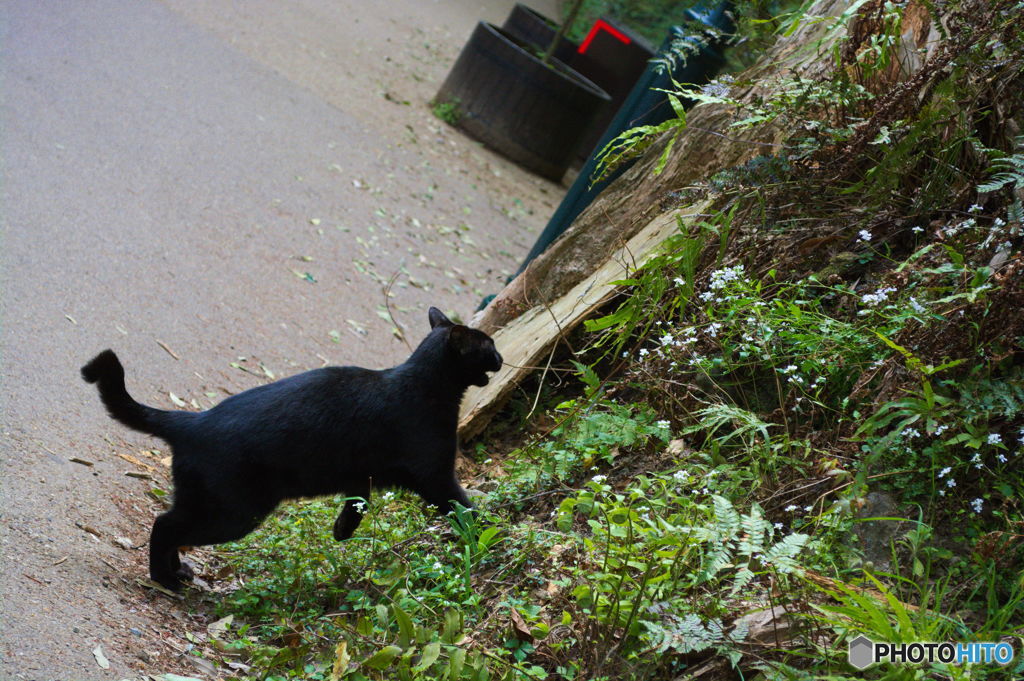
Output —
(327, 431)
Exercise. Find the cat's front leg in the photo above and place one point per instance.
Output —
(352, 514)
(444, 492)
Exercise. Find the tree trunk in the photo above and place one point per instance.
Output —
(705, 147)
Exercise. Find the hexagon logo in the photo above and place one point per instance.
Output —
(862, 652)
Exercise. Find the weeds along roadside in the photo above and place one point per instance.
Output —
(845, 328)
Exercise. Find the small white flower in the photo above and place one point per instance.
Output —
(808, 509)
(995, 438)
(437, 565)
(911, 433)
(951, 483)
(945, 471)
(975, 208)
(879, 296)
(360, 506)
(864, 235)
(917, 230)
(778, 526)
(977, 504)
(644, 352)
(720, 278)
(791, 507)
(719, 87)
(1000, 457)
(917, 307)
(663, 424)
(942, 429)
(599, 478)
(666, 339)
(681, 476)
(678, 281)
(789, 369)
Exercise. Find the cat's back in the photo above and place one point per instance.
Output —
(310, 390)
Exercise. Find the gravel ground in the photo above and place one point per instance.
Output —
(220, 191)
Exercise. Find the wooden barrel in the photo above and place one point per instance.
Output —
(532, 27)
(533, 113)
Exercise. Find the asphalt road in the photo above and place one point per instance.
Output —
(181, 185)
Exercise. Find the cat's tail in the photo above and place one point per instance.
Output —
(106, 371)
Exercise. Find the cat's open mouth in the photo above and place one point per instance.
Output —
(496, 364)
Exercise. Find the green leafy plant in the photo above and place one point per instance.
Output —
(448, 111)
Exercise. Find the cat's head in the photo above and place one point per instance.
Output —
(473, 350)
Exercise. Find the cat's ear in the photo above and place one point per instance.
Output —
(458, 338)
(437, 318)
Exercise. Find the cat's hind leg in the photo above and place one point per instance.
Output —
(352, 514)
(187, 524)
(165, 566)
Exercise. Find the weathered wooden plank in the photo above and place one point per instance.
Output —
(526, 340)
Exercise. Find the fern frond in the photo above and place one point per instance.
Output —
(756, 530)
(782, 556)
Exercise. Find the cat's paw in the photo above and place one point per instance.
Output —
(168, 581)
(185, 573)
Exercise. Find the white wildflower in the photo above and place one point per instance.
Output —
(977, 504)
(864, 235)
(720, 278)
(879, 296)
(719, 87)
(995, 438)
